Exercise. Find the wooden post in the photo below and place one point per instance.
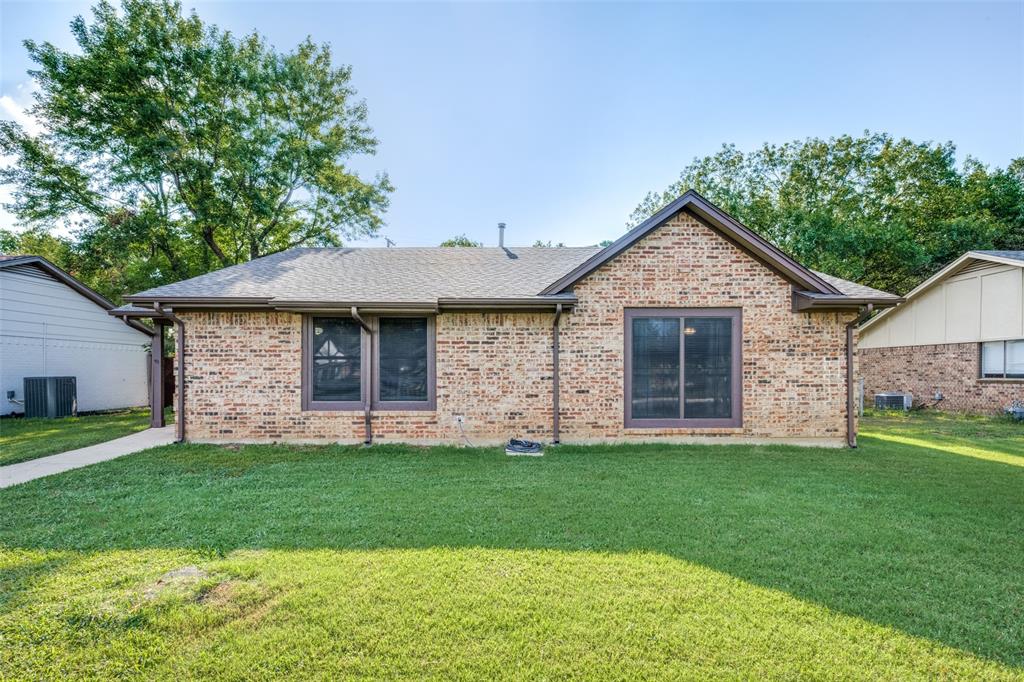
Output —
(156, 384)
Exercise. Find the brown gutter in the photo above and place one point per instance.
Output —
(179, 352)
(803, 301)
(367, 409)
(851, 425)
(554, 375)
(518, 304)
(521, 303)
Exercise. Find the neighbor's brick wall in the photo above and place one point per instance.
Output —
(794, 364)
(243, 369)
(921, 370)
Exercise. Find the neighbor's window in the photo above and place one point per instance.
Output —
(337, 359)
(682, 367)
(1002, 359)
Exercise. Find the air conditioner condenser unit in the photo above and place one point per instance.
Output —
(893, 400)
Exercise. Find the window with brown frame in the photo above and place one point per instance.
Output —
(683, 367)
(1002, 359)
(338, 355)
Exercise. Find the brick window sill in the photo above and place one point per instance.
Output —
(683, 430)
(376, 411)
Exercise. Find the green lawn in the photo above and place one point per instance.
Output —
(903, 559)
(25, 439)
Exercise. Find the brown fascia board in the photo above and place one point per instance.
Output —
(809, 301)
(718, 220)
(531, 303)
(480, 304)
(58, 274)
(425, 305)
(336, 307)
(137, 314)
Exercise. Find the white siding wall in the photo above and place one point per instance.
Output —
(983, 302)
(48, 329)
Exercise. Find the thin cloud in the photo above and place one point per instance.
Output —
(11, 110)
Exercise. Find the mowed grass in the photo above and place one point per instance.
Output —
(25, 439)
(903, 559)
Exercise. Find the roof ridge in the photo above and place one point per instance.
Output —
(468, 249)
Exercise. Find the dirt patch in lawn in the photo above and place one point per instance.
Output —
(179, 580)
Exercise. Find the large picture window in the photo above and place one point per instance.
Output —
(338, 356)
(683, 367)
(1002, 359)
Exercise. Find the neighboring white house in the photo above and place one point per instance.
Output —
(53, 325)
(959, 334)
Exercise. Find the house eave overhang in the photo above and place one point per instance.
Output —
(183, 304)
(804, 301)
(732, 229)
(525, 304)
(135, 314)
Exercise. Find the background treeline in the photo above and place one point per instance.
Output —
(170, 148)
(882, 211)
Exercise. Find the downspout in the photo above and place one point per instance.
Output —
(554, 375)
(179, 352)
(851, 426)
(367, 401)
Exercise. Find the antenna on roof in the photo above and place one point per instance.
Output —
(387, 240)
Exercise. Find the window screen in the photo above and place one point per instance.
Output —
(707, 368)
(403, 359)
(337, 356)
(655, 368)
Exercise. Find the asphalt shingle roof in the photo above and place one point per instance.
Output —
(402, 275)
(398, 275)
(852, 288)
(1012, 255)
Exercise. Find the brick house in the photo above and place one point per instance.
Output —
(690, 327)
(960, 335)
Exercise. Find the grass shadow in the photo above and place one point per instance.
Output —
(896, 533)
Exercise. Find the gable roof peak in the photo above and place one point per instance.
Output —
(732, 229)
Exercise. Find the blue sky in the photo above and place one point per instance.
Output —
(558, 118)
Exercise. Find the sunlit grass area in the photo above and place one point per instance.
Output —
(25, 439)
(898, 560)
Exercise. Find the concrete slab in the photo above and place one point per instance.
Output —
(13, 474)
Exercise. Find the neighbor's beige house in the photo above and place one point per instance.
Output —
(691, 327)
(960, 335)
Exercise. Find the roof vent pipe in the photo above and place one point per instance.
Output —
(501, 235)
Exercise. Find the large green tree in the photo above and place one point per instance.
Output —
(173, 147)
(887, 212)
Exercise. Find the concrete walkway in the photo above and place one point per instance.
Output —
(14, 474)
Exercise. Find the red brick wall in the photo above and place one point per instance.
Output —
(794, 364)
(243, 369)
(951, 368)
(243, 372)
